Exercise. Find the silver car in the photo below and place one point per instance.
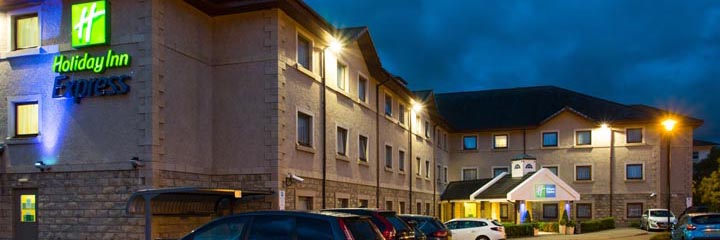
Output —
(656, 219)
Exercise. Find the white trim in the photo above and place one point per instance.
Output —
(507, 140)
(492, 169)
(642, 165)
(575, 132)
(387, 94)
(10, 16)
(418, 172)
(305, 111)
(11, 119)
(347, 139)
(487, 185)
(592, 171)
(557, 139)
(427, 165)
(346, 76)
(367, 148)
(367, 87)
(462, 142)
(445, 174)
(557, 180)
(462, 170)
(642, 141)
(311, 51)
(392, 152)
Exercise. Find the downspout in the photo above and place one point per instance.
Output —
(612, 168)
(324, 129)
(435, 137)
(411, 160)
(377, 141)
(524, 143)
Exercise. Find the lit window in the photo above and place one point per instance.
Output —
(583, 173)
(583, 210)
(583, 137)
(27, 34)
(550, 139)
(500, 141)
(469, 173)
(469, 142)
(554, 170)
(304, 129)
(401, 161)
(388, 156)
(362, 88)
(634, 171)
(634, 210)
(503, 210)
(401, 113)
(363, 147)
(26, 119)
(388, 105)
(634, 135)
(342, 141)
(304, 53)
(498, 171)
(550, 211)
(341, 76)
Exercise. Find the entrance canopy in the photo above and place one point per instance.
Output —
(542, 185)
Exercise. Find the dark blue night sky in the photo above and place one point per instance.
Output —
(661, 53)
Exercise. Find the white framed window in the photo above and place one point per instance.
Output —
(550, 138)
(634, 135)
(401, 113)
(24, 117)
(342, 140)
(469, 142)
(305, 126)
(401, 160)
(342, 76)
(497, 170)
(445, 174)
(418, 166)
(553, 168)
(634, 171)
(363, 148)
(583, 173)
(388, 105)
(500, 141)
(469, 173)
(362, 87)
(304, 51)
(427, 169)
(427, 129)
(583, 137)
(388, 156)
(438, 173)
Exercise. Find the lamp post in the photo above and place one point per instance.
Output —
(335, 47)
(612, 162)
(669, 124)
(415, 110)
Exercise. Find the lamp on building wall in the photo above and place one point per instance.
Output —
(335, 46)
(42, 166)
(669, 125)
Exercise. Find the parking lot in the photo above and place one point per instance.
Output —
(615, 234)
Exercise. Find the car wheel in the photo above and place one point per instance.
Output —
(482, 238)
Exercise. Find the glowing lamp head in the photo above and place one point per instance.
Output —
(417, 107)
(604, 126)
(669, 124)
(335, 45)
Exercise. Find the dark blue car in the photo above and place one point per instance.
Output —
(697, 226)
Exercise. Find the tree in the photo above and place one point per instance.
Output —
(706, 181)
(706, 166)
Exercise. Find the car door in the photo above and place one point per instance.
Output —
(477, 228)
(226, 229)
(458, 230)
(644, 218)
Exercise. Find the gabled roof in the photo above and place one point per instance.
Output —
(698, 142)
(502, 187)
(529, 107)
(461, 190)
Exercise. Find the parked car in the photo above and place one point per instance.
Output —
(475, 229)
(390, 225)
(694, 209)
(288, 225)
(656, 218)
(698, 226)
(430, 226)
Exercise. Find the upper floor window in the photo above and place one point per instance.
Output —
(342, 137)
(419, 167)
(469, 142)
(427, 129)
(26, 31)
(304, 52)
(550, 139)
(445, 174)
(342, 73)
(634, 171)
(363, 148)
(499, 170)
(695, 155)
(362, 88)
(401, 161)
(304, 129)
(553, 169)
(583, 137)
(634, 135)
(388, 105)
(583, 173)
(500, 141)
(401, 113)
(469, 174)
(26, 119)
(388, 156)
(427, 169)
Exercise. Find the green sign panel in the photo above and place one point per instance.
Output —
(544, 190)
(90, 25)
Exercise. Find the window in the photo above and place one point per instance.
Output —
(427, 209)
(342, 76)
(469, 173)
(445, 174)
(388, 105)
(500, 141)
(427, 169)
(554, 170)
(503, 210)
(634, 135)
(402, 208)
(583, 210)
(583, 173)
(418, 208)
(427, 129)
(26, 119)
(388, 156)
(583, 138)
(363, 148)
(634, 171)
(224, 229)
(550, 211)
(438, 172)
(271, 227)
(401, 161)
(695, 155)
(311, 228)
(362, 88)
(343, 203)
(342, 141)
(439, 140)
(304, 129)
(388, 205)
(363, 203)
(304, 203)
(469, 142)
(27, 31)
(634, 210)
(499, 170)
(304, 52)
(445, 142)
(419, 167)
(550, 139)
(401, 113)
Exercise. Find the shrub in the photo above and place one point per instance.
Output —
(564, 219)
(634, 224)
(518, 230)
(548, 226)
(597, 225)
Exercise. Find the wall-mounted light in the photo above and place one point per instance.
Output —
(416, 107)
(136, 163)
(42, 166)
(335, 45)
(292, 178)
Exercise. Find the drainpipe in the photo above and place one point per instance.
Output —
(436, 175)
(524, 144)
(377, 141)
(324, 128)
(612, 168)
(411, 171)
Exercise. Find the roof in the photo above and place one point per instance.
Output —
(165, 199)
(523, 156)
(502, 187)
(529, 107)
(698, 142)
(461, 190)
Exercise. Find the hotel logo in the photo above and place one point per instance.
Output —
(89, 24)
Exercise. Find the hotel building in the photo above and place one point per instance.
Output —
(145, 119)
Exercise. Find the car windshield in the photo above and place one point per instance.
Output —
(706, 219)
(362, 229)
(427, 225)
(662, 213)
(398, 223)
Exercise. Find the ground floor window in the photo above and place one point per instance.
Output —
(304, 203)
(363, 203)
(583, 210)
(418, 208)
(343, 203)
(427, 209)
(634, 210)
(402, 208)
(503, 210)
(389, 205)
(550, 211)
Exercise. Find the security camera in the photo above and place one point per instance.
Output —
(42, 166)
(136, 163)
(652, 194)
(296, 178)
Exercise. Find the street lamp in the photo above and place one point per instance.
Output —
(335, 46)
(669, 125)
(415, 110)
(612, 161)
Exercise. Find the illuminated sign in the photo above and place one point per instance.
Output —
(544, 190)
(27, 208)
(89, 24)
(86, 62)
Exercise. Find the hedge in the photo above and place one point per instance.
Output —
(549, 226)
(597, 225)
(518, 230)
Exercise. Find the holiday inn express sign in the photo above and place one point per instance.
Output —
(89, 24)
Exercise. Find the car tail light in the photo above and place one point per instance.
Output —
(348, 235)
(440, 233)
(495, 229)
(690, 227)
(388, 233)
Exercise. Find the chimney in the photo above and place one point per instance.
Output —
(522, 164)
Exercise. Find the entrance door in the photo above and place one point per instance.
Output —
(26, 222)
